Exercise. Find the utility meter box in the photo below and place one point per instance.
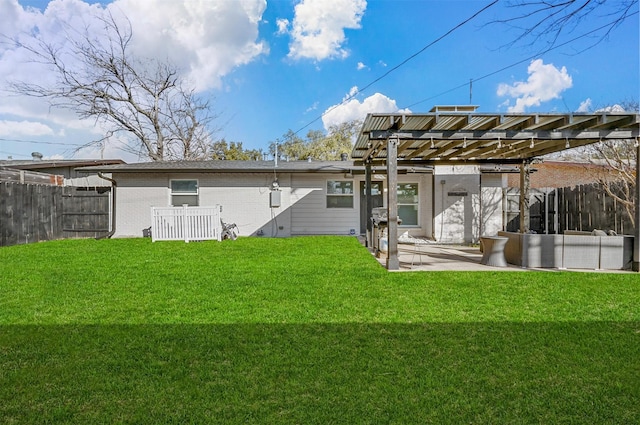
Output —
(274, 201)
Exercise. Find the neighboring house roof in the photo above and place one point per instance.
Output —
(66, 168)
(31, 164)
(222, 166)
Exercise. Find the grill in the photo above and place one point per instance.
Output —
(379, 219)
(379, 215)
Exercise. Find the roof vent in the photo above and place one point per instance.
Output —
(36, 156)
(454, 108)
(344, 156)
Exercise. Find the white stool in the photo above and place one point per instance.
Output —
(417, 251)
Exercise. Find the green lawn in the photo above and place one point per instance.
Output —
(306, 331)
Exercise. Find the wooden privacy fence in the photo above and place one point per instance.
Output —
(581, 208)
(588, 207)
(186, 223)
(40, 212)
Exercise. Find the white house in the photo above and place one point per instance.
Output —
(450, 204)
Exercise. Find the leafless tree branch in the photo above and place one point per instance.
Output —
(546, 21)
(98, 77)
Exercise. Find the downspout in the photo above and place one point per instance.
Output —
(113, 206)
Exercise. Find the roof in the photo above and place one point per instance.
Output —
(224, 166)
(31, 164)
(450, 135)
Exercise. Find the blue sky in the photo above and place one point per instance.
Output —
(270, 66)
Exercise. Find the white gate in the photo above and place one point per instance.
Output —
(186, 223)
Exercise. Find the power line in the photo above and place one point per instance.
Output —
(39, 142)
(15, 154)
(513, 64)
(351, 96)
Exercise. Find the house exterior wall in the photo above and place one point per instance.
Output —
(310, 214)
(135, 195)
(245, 200)
(466, 204)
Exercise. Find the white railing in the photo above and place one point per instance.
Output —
(186, 223)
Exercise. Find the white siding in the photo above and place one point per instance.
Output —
(310, 215)
(135, 195)
(245, 200)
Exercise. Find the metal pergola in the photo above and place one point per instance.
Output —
(451, 135)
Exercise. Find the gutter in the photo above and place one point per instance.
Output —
(113, 206)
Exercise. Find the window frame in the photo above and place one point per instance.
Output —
(416, 204)
(340, 195)
(182, 193)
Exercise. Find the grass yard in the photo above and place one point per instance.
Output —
(306, 331)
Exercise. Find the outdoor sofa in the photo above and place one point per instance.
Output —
(571, 250)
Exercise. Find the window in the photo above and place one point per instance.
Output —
(339, 194)
(408, 203)
(184, 192)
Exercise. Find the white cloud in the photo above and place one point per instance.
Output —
(283, 26)
(312, 107)
(353, 109)
(613, 108)
(585, 106)
(206, 39)
(361, 66)
(545, 82)
(24, 128)
(318, 28)
(54, 157)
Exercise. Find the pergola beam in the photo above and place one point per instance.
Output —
(490, 135)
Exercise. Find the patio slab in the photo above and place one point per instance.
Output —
(431, 256)
(437, 257)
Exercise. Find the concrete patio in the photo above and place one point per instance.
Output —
(427, 255)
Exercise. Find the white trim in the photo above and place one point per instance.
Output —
(344, 195)
(417, 203)
(171, 193)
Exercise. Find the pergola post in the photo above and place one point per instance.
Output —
(525, 185)
(369, 204)
(392, 204)
(636, 239)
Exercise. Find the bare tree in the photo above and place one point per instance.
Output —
(615, 168)
(548, 20)
(98, 77)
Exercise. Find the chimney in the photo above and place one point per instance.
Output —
(36, 156)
